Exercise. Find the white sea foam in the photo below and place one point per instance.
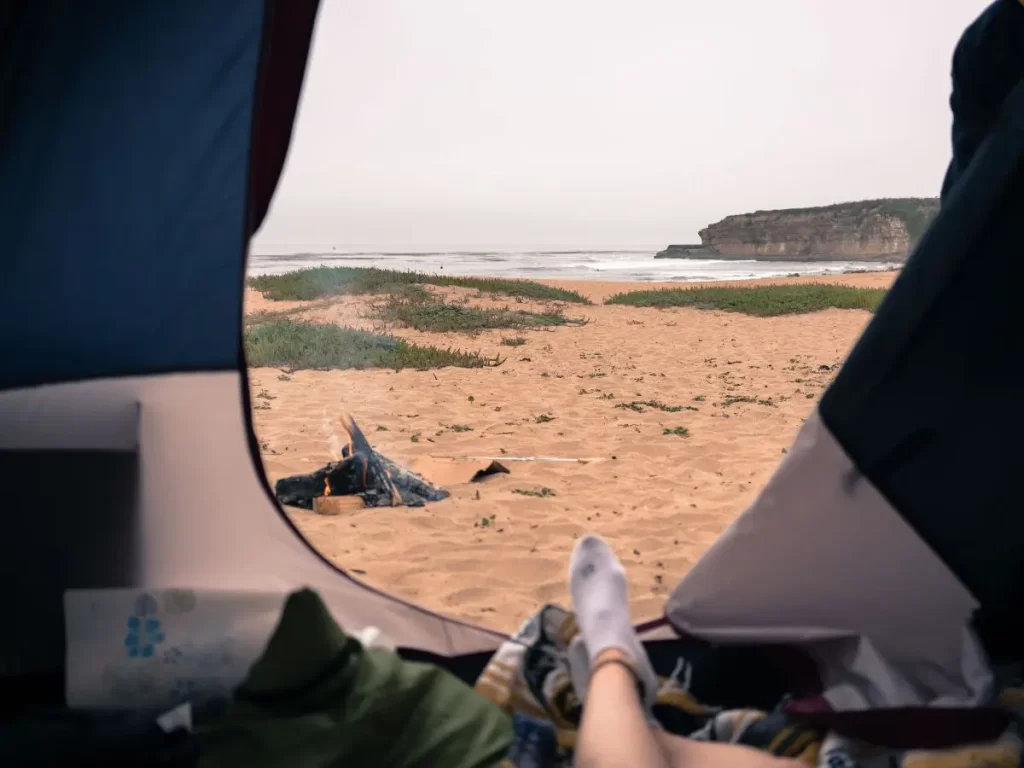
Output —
(627, 264)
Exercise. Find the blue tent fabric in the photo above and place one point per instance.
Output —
(124, 216)
(987, 63)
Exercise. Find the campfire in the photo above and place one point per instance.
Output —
(361, 472)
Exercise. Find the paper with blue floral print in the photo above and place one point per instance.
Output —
(156, 648)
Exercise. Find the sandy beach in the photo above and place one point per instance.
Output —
(495, 551)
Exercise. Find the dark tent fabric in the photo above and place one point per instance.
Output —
(987, 63)
(128, 186)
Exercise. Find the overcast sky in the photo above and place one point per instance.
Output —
(608, 122)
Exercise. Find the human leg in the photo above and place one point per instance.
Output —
(615, 731)
(614, 677)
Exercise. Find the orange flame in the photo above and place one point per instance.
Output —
(327, 487)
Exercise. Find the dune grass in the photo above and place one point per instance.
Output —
(320, 282)
(640, 406)
(296, 345)
(444, 317)
(761, 300)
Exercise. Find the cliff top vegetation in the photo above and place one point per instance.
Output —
(915, 212)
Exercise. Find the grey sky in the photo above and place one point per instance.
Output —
(608, 122)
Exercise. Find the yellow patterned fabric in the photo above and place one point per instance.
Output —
(528, 678)
(1005, 752)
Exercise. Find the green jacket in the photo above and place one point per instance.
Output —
(317, 698)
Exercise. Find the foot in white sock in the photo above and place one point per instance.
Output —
(600, 599)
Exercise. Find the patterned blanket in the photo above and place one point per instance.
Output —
(529, 678)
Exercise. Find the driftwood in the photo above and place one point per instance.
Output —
(362, 472)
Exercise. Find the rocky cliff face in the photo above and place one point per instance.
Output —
(871, 230)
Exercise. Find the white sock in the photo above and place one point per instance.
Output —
(600, 600)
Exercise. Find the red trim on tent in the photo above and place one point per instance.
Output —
(287, 34)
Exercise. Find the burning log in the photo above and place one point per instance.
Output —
(336, 505)
(361, 472)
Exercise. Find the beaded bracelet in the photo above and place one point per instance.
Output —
(623, 661)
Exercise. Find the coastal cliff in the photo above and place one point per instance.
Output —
(867, 230)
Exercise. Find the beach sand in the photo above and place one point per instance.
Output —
(659, 499)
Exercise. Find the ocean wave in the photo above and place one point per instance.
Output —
(496, 252)
(621, 264)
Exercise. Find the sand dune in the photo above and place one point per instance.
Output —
(494, 552)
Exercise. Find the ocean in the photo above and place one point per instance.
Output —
(634, 264)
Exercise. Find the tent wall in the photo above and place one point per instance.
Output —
(124, 168)
(927, 404)
(65, 507)
(822, 561)
(141, 146)
(70, 489)
(205, 518)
